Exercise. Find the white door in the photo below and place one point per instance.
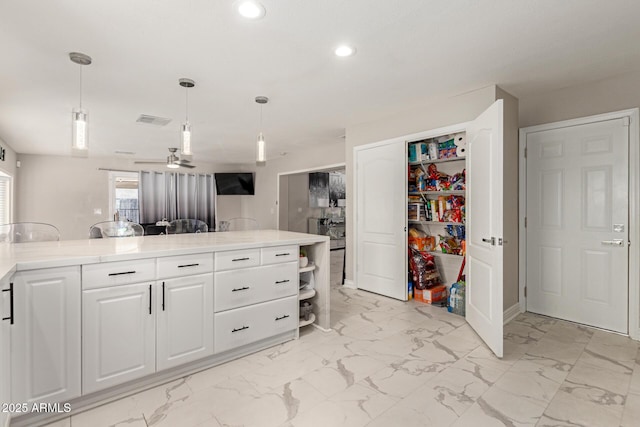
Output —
(118, 335)
(577, 223)
(45, 335)
(484, 216)
(185, 320)
(381, 218)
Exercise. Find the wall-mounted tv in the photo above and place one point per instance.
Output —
(236, 183)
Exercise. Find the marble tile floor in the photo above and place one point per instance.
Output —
(388, 363)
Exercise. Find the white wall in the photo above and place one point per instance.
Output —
(614, 94)
(263, 206)
(435, 114)
(64, 191)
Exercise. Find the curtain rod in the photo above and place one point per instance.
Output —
(116, 170)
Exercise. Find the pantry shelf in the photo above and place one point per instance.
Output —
(426, 162)
(439, 193)
(412, 221)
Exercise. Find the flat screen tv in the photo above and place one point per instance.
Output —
(237, 183)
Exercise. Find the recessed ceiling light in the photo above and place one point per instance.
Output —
(251, 9)
(345, 50)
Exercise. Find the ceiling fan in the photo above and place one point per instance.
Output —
(173, 161)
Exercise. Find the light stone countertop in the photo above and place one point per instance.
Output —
(28, 256)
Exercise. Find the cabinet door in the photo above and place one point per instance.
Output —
(185, 320)
(5, 347)
(484, 207)
(118, 329)
(45, 336)
(381, 218)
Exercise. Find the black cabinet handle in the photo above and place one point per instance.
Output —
(10, 290)
(239, 329)
(124, 272)
(149, 299)
(188, 265)
(162, 296)
(282, 281)
(240, 259)
(282, 317)
(244, 288)
(284, 254)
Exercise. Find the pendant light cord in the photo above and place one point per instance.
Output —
(81, 87)
(186, 97)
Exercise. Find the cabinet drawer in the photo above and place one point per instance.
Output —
(235, 328)
(228, 260)
(185, 265)
(278, 254)
(118, 273)
(237, 288)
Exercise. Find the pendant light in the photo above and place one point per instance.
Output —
(79, 116)
(261, 149)
(185, 129)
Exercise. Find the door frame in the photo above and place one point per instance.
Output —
(403, 139)
(299, 171)
(634, 206)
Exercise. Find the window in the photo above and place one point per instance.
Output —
(123, 189)
(5, 198)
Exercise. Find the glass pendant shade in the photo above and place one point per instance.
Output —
(186, 139)
(261, 157)
(80, 132)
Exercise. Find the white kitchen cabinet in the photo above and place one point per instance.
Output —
(45, 335)
(6, 316)
(184, 308)
(118, 331)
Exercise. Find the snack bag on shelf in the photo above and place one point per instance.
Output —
(424, 270)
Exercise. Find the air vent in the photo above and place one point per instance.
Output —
(153, 120)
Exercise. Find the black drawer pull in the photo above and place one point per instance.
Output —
(240, 259)
(239, 329)
(282, 281)
(285, 254)
(188, 265)
(10, 290)
(150, 298)
(244, 288)
(282, 317)
(124, 272)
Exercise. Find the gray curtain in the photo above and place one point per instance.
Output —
(177, 196)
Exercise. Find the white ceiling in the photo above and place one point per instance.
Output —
(409, 52)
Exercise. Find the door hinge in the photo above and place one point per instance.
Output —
(525, 152)
(626, 121)
(525, 291)
(525, 222)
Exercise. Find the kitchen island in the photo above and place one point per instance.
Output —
(88, 321)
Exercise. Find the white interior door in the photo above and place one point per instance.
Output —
(484, 216)
(381, 194)
(577, 223)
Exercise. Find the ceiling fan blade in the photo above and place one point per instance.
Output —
(181, 163)
(149, 163)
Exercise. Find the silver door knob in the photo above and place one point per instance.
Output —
(614, 242)
(492, 240)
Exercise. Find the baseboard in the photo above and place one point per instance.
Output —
(511, 313)
(349, 284)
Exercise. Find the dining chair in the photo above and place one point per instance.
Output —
(23, 232)
(179, 226)
(107, 229)
(241, 223)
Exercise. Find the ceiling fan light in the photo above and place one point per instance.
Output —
(172, 166)
(80, 132)
(186, 139)
(261, 157)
